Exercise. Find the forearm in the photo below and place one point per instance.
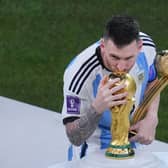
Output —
(146, 128)
(152, 113)
(81, 129)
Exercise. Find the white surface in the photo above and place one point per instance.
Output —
(32, 137)
(97, 159)
(142, 159)
(145, 161)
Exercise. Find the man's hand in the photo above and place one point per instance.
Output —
(145, 129)
(106, 98)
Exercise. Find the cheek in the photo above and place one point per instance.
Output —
(110, 62)
(130, 63)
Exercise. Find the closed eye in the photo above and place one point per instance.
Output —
(115, 57)
(128, 58)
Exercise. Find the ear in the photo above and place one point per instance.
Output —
(102, 43)
(140, 44)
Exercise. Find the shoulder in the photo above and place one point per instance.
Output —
(147, 40)
(78, 71)
(86, 56)
(148, 48)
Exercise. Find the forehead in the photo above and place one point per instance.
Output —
(131, 49)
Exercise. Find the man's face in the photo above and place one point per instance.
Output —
(119, 59)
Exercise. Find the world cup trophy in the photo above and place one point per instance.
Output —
(120, 147)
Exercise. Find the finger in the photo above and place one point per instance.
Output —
(111, 82)
(116, 103)
(146, 141)
(120, 96)
(143, 142)
(141, 139)
(103, 81)
(117, 88)
(134, 139)
(134, 127)
(132, 134)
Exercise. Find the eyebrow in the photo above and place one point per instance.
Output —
(118, 57)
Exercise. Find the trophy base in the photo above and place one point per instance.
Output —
(120, 152)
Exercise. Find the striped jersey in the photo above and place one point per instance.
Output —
(81, 81)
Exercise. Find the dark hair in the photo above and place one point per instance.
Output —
(122, 30)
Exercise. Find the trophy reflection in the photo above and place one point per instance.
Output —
(120, 147)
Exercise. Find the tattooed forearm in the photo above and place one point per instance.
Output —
(81, 129)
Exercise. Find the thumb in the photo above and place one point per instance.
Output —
(134, 127)
(103, 81)
(133, 133)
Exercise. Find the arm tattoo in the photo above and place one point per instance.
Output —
(81, 129)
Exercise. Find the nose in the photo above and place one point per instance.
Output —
(122, 65)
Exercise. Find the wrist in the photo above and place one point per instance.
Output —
(96, 108)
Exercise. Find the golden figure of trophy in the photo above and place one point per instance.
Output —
(119, 147)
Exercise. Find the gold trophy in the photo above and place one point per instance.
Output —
(119, 147)
(162, 68)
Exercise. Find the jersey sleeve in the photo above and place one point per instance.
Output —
(149, 48)
(74, 105)
(152, 73)
(78, 79)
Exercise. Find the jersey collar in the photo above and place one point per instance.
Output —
(98, 53)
